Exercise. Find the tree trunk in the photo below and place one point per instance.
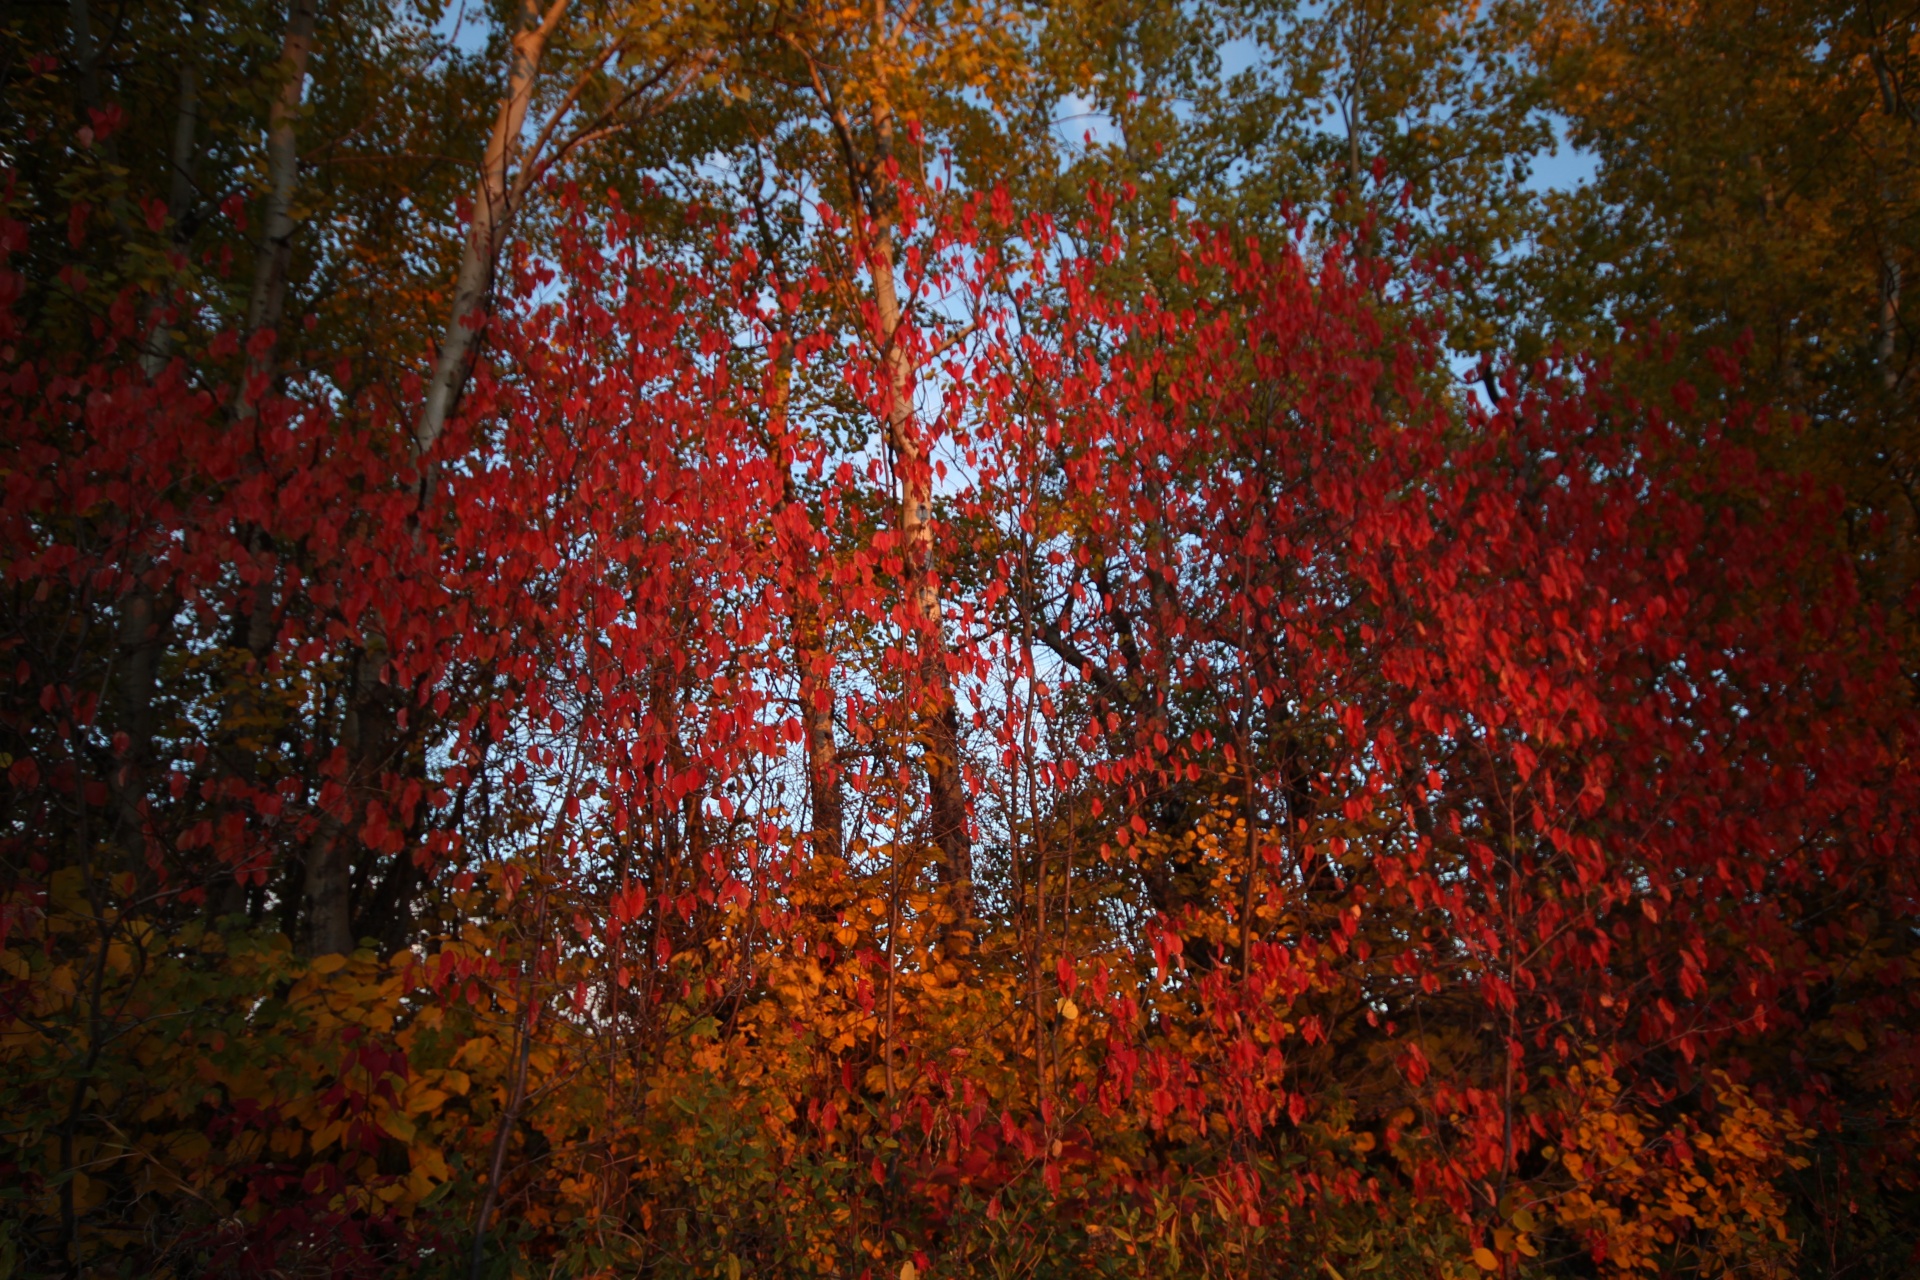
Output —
(329, 890)
(939, 720)
(268, 302)
(493, 210)
(366, 734)
(812, 664)
(142, 625)
(179, 202)
(85, 61)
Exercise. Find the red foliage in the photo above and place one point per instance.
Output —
(1452, 765)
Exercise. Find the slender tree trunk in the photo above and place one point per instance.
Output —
(85, 60)
(1886, 340)
(329, 890)
(142, 625)
(936, 713)
(366, 734)
(493, 211)
(179, 201)
(186, 123)
(526, 1023)
(816, 718)
(810, 656)
(939, 719)
(268, 302)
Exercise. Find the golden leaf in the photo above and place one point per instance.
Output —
(397, 1125)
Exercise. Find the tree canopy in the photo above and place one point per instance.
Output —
(972, 638)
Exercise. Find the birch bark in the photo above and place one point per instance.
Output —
(494, 206)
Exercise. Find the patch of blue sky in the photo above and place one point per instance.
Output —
(465, 26)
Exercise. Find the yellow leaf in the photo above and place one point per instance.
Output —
(429, 1162)
(477, 1050)
(1858, 1041)
(67, 889)
(425, 1100)
(328, 964)
(190, 1147)
(908, 1271)
(1483, 1258)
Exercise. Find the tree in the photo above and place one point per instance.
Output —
(1751, 183)
(1267, 805)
